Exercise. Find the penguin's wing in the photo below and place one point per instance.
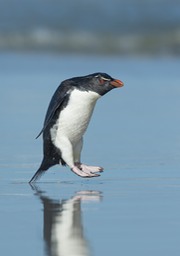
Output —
(56, 101)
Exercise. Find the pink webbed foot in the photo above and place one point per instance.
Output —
(82, 173)
(89, 168)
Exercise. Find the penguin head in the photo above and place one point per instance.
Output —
(100, 83)
(105, 82)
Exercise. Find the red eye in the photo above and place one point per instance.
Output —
(101, 81)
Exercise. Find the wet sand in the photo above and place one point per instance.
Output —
(133, 207)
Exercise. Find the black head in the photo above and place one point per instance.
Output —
(97, 82)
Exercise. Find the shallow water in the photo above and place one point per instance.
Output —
(134, 207)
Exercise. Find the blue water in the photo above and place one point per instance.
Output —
(133, 207)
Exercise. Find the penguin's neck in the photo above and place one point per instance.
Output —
(83, 100)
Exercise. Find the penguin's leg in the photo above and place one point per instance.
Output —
(68, 156)
(77, 148)
(90, 170)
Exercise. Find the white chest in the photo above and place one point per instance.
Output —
(74, 118)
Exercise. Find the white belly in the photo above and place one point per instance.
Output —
(74, 118)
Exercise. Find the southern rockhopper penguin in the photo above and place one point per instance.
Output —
(67, 119)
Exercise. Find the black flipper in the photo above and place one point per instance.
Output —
(59, 96)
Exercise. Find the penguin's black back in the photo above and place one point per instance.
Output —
(51, 154)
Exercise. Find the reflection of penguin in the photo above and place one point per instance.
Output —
(63, 229)
(67, 119)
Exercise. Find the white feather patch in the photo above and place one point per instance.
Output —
(74, 118)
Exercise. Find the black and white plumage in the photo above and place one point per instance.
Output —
(66, 121)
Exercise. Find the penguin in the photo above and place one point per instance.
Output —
(67, 119)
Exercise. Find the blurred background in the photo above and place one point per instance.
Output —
(91, 26)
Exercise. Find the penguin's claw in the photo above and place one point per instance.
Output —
(84, 174)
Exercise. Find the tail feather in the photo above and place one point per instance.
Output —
(37, 175)
(45, 165)
(47, 162)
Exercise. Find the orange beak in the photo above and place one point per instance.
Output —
(117, 83)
